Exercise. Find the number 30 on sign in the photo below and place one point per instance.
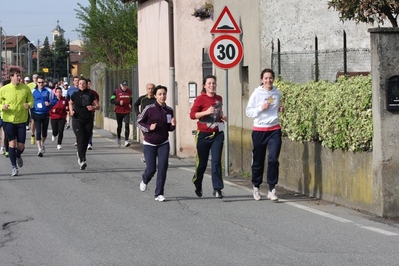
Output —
(226, 51)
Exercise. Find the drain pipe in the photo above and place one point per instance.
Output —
(171, 90)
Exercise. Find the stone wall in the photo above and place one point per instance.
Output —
(345, 178)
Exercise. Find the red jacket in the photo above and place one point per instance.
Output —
(59, 109)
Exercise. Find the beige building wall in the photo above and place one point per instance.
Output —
(191, 35)
(153, 44)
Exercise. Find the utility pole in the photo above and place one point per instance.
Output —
(37, 55)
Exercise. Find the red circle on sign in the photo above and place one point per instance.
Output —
(222, 59)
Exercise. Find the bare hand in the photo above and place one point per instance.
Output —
(153, 126)
(173, 121)
(210, 110)
(91, 108)
(121, 102)
(224, 118)
(282, 108)
(265, 105)
(5, 107)
(46, 103)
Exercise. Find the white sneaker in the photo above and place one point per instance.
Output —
(52, 138)
(143, 187)
(160, 198)
(89, 147)
(83, 165)
(271, 195)
(14, 171)
(59, 147)
(40, 153)
(127, 144)
(2, 150)
(43, 148)
(256, 194)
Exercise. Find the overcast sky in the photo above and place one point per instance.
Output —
(37, 18)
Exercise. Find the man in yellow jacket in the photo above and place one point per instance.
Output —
(15, 101)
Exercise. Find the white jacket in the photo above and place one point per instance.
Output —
(268, 117)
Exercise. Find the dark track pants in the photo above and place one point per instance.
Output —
(150, 154)
(58, 126)
(263, 140)
(83, 131)
(119, 119)
(206, 142)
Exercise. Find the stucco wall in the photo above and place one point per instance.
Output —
(191, 36)
(296, 23)
(385, 64)
(153, 44)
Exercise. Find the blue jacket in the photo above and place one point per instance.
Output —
(39, 98)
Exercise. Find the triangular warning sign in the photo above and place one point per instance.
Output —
(225, 23)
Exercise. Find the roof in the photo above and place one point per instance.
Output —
(10, 42)
(76, 53)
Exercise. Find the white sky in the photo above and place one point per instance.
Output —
(37, 18)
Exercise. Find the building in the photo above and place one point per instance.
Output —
(76, 57)
(17, 51)
(58, 31)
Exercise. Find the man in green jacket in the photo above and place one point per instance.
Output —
(15, 100)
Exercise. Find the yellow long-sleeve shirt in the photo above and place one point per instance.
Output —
(15, 97)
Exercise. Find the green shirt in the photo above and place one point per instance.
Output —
(32, 85)
(15, 97)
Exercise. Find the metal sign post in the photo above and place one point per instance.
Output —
(226, 52)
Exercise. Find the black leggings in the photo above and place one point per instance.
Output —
(119, 119)
(41, 124)
(83, 131)
(58, 126)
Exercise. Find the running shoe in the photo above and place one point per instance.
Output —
(160, 198)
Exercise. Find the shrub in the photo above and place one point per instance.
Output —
(336, 114)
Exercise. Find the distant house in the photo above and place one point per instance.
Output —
(17, 51)
(76, 57)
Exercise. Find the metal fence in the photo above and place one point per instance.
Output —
(113, 79)
(304, 66)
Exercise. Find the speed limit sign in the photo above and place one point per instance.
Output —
(226, 51)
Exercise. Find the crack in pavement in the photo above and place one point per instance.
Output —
(6, 227)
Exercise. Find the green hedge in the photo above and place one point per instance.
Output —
(336, 114)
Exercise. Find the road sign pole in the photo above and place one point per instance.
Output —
(226, 126)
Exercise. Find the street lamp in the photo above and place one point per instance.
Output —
(17, 51)
(27, 59)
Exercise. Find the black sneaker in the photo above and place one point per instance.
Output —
(198, 192)
(218, 193)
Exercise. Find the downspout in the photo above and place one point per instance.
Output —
(171, 92)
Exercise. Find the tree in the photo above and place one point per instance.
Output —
(368, 11)
(109, 31)
(61, 53)
(46, 55)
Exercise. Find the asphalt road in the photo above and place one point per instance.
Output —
(54, 214)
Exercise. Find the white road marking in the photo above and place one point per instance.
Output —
(321, 213)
